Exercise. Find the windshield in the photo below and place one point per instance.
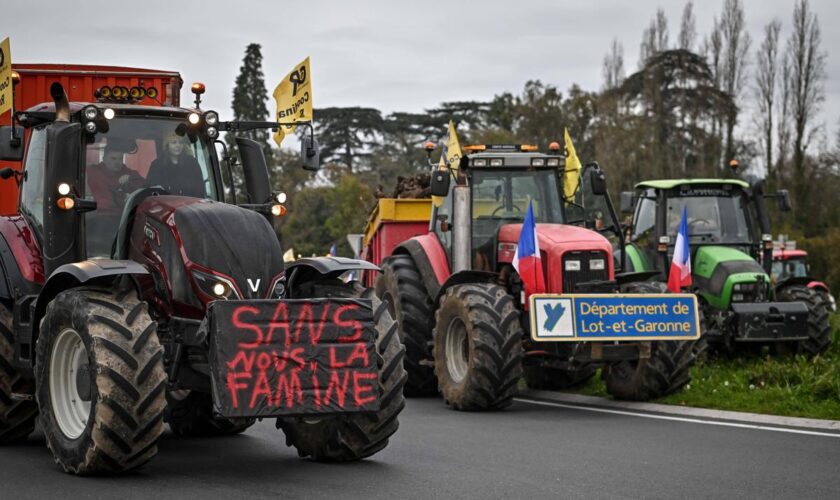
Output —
(591, 210)
(791, 268)
(136, 153)
(714, 216)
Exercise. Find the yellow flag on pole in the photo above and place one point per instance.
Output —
(294, 99)
(6, 102)
(571, 176)
(451, 156)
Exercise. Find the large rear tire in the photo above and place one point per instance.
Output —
(819, 328)
(477, 347)
(667, 369)
(100, 380)
(17, 417)
(344, 438)
(192, 416)
(401, 287)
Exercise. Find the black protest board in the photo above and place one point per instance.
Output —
(293, 357)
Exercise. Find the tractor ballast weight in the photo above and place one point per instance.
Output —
(106, 299)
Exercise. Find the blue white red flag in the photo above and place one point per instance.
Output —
(526, 260)
(680, 274)
(333, 250)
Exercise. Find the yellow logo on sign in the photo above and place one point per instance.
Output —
(294, 100)
(5, 77)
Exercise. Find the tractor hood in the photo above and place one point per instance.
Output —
(716, 270)
(559, 241)
(190, 234)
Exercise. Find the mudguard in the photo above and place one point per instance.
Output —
(303, 270)
(430, 258)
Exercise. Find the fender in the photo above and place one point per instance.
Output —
(466, 277)
(86, 272)
(303, 270)
(794, 280)
(430, 258)
(818, 285)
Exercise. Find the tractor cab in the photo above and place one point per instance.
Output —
(487, 203)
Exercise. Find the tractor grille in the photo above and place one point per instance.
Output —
(584, 274)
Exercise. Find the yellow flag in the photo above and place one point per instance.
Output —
(294, 99)
(6, 102)
(453, 148)
(571, 177)
(438, 200)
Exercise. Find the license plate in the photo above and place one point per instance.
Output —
(293, 357)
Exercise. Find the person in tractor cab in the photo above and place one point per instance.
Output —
(110, 180)
(176, 171)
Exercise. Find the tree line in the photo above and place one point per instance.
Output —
(689, 108)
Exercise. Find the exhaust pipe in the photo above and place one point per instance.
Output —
(62, 106)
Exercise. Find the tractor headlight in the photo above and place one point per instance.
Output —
(596, 265)
(538, 162)
(553, 162)
(480, 162)
(215, 286)
(497, 162)
(108, 114)
(211, 118)
(737, 297)
(281, 197)
(90, 113)
(572, 265)
(212, 132)
(194, 118)
(90, 127)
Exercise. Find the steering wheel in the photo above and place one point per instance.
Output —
(705, 222)
(502, 207)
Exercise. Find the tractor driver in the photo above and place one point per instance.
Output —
(110, 180)
(176, 171)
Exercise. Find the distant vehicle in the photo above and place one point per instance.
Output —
(789, 262)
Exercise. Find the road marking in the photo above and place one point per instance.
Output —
(680, 419)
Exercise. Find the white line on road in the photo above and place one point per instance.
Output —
(680, 419)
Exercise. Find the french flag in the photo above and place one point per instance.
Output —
(680, 274)
(526, 260)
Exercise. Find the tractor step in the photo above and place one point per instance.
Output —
(20, 396)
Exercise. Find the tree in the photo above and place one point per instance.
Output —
(805, 81)
(346, 135)
(688, 31)
(613, 67)
(736, 45)
(654, 38)
(250, 97)
(766, 76)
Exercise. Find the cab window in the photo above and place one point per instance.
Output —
(32, 190)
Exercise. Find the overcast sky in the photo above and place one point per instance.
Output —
(390, 55)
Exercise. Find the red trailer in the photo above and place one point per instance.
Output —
(161, 88)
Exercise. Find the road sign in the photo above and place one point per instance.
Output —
(355, 241)
(611, 317)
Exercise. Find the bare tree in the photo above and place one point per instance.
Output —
(712, 50)
(783, 115)
(736, 45)
(614, 65)
(688, 31)
(766, 73)
(654, 38)
(806, 80)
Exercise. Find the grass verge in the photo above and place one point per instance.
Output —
(796, 387)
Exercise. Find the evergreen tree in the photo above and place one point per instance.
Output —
(249, 99)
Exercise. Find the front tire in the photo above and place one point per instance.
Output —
(100, 381)
(17, 418)
(343, 438)
(477, 347)
(819, 329)
(401, 287)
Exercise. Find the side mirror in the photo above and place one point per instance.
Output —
(257, 183)
(309, 153)
(439, 185)
(627, 199)
(783, 200)
(11, 149)
(598, 180)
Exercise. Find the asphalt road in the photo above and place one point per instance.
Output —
(527, 451)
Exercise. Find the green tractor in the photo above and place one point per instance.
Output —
(731, 258)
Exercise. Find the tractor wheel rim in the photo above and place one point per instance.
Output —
(68, 357)
(457, 350)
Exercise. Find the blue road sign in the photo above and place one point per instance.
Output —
(610, 317)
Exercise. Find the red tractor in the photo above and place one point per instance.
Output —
(449, 280)
(791, 264)
(134, 292)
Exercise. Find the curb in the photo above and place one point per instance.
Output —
(681, 411)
